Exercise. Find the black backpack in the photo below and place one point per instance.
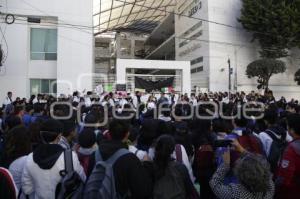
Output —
(101, 183)
(276, 150)
(171, 185)
(71, 185)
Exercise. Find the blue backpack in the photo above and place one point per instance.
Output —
(101, 183)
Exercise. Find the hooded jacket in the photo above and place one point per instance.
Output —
(267, 141)
(41, 171)
(130, 175)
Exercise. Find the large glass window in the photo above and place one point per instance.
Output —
(43, 44)
(43, 86)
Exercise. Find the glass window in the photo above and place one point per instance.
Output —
(188, 40)
(34, 86)
(197, 60)
(45, 86)
(192, 29)
(196, 70)
(43, 44)
(42, 86)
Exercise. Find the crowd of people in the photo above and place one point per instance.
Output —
(146, 145)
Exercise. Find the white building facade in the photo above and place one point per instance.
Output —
(208, 34)
(48, 48)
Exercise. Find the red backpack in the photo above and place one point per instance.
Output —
(205, 160)
(251, 143)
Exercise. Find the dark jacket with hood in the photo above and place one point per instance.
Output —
(131, 176)
(46, 155)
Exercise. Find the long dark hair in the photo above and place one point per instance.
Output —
(17, 144)
(164, 147)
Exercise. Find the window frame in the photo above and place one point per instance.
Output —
(44, 54)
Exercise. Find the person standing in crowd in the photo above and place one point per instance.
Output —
(246, 138)
(132, 143)
(162, 99)
(85, 150)
(288, 173)
(42, 169)
(87, 99)
(26, 118)
(273, 133)
(37, 99)
(68, 134)
(172, 179)
(8, 99)
(254, 179)
(76, 97)
(136, 99)
(18, 146)
(130, 175)
(8, 187)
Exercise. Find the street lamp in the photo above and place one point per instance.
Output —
(229, 75)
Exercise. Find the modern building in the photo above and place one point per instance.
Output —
(208, 34)
(204, 32)
(47, 46)
(61, 46)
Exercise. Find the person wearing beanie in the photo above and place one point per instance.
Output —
(42, 168)
(85, 150)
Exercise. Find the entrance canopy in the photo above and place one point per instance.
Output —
(140, 16)
(183, 66)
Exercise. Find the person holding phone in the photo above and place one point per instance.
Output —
(252, 172)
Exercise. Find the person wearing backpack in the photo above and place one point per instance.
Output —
(46, 167)
(172, 180)
(86, 149)
(118, 173)
(287, 177)
(273, 138)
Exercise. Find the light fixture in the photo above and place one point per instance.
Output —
(9, 19)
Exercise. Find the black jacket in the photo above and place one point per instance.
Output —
(131, 176)
(46, 155)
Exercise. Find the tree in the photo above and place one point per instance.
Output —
(297, 77)
(275, 24)
(263, 69)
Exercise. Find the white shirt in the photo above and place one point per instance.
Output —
(111, 102)
(7, 101)
(43, 182)
(194, 101)
(87, 101)
(122, 102)
(151, 105)
(16, 170)
(35, 100)
(267, 141)
(139, 153)
(144, 98)
(76, 99)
